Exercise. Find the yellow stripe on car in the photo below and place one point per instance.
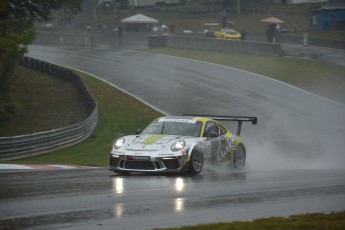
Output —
(153, 139)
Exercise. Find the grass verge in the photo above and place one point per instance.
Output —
(41, 104)
(318, 221)
(119, 114)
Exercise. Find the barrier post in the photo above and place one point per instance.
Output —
(305, 39)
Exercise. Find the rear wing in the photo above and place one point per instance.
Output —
(239, 119)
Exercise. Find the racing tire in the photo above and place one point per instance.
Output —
(196, 163)
(240, 157)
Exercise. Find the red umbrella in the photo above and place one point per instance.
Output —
(272, 20)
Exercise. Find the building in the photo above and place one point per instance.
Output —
(331, 16)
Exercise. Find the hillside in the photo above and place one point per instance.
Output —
(41, 104)
(192, 16)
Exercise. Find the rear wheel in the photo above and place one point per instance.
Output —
(240, 157)
(196, 162)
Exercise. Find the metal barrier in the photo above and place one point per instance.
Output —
(37, 143)
(328, 43)
(216, 45)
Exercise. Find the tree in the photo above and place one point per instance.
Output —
(16, 33)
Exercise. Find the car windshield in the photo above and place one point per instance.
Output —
(181, 127)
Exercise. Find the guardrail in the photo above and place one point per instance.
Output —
(328, 43)
(16, 147)
(216, 45)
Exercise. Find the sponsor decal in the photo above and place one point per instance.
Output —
(138, 158)
(233, 140)
(153, 139)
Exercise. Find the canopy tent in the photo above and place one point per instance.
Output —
(140, 19)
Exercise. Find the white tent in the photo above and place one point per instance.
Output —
(139, 18)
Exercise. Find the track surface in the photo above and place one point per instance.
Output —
(295, 153)
(98, 199)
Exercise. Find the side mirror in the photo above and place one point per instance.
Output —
(138, 131)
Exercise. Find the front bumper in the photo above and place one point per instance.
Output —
(157, 164)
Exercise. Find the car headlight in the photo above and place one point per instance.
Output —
(178, 145)
(119, 143)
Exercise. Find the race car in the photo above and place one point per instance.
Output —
(228, 34)
(180, 144)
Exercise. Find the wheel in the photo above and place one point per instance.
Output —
(240, 157)
(196, 162)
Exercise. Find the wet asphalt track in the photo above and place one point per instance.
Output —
(295, 160)
(98, 199)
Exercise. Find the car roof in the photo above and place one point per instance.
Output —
(229, 30)
(202, 119)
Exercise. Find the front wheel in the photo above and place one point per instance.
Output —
(240, 157)
(196, 163)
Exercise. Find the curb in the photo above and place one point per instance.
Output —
(42, 166)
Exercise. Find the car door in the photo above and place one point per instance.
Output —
(225, 144)
(217, 142)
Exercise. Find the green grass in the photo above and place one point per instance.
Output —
(119, 114)
(318, 221)
(41, 103)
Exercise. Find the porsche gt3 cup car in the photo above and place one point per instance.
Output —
(180, 144)
(228, 34)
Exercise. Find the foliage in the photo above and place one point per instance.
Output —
(14, 38)
(16, 33)
(35, 10)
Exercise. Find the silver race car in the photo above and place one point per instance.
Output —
(180, 144)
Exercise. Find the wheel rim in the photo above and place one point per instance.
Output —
(239, 158)
(197, 162)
